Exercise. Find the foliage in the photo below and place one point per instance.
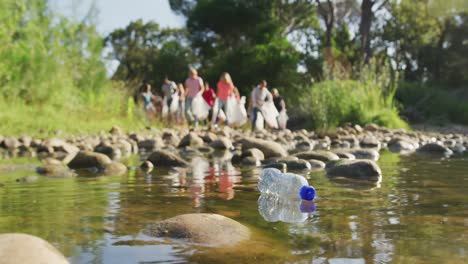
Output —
(51, 72)
(434, 104)
(147, 52)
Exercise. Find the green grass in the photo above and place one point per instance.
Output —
(329, 104)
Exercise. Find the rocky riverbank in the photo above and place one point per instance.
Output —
(300, 150)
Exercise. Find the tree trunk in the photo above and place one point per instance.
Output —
(365, 28)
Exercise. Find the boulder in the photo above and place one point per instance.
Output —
(59, 145)
(296, 164)
(27, 249)
(434, 149)
(324, 156)
(304, 146)
(370, 154)
(344, 154)
(147, 166)
(221, 143)
(207, 229)
(112, 152)
(253, 152)
(191, 139)
(317, 164)
(86, 159)
(269, 148)
(356, 169)
(370, 142)
(150, 144)
(115, 169)
(279, 166)
(401, 145)
(163, 158)
(11, 143)
(55, 171)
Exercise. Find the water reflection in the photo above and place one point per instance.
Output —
(274, 208)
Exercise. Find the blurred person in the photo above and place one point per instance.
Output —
(225, 89)
(169, 90)
(258, 97)
(180, 114)
(209, 96)
(148, 99)
(193, 85)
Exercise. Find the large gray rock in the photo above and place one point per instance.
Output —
(324, 156)
(27, 249)
(317, 164)
(370, 142)
(163, 158)
(269, 148)
(11, 143)
(208, 229)
(115, 169)
(150, 144)
(191, 139)
(221, 143)
(370, 154)
(86, 159)
(401, 145)
(356, 169)
(296, 164)
(253, 152)
(435, 149)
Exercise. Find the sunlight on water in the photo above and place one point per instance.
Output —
(416, 214)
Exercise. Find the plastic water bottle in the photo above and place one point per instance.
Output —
(274, 208)
(288, 185)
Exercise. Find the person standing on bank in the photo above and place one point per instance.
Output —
(193, 85)
(258, 97)
(180, 115)
(169, 89)
(278, 100)
(209, 96)
(225, 89)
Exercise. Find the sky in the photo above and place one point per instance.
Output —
(113, 14)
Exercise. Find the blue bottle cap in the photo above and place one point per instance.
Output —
(307, 193)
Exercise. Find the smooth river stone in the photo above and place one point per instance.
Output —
(208, 229)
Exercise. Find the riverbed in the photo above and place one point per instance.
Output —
(417, 213)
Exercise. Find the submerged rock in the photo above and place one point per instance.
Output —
(356, 169)
(87, 159)
(163, 158)
(27, 249)
(115, 169)
(435, 149)
(208, 229)
(370, 154)
(56, 171)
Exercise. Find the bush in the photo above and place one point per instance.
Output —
(436, 104)
(330, 104)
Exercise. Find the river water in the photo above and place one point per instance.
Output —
(418, 213)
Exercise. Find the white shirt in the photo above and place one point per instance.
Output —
(259, 96)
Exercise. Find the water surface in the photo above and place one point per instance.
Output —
(418, 213)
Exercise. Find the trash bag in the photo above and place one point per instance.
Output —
(270, 114)
(282, 119)
(174, 104)
(260, 122)
(200, 107)
(172, 108)
(236, 112)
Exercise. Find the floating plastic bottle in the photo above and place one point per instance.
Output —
(274, 208)
(288, 185)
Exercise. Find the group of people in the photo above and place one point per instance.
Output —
(196, 101)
